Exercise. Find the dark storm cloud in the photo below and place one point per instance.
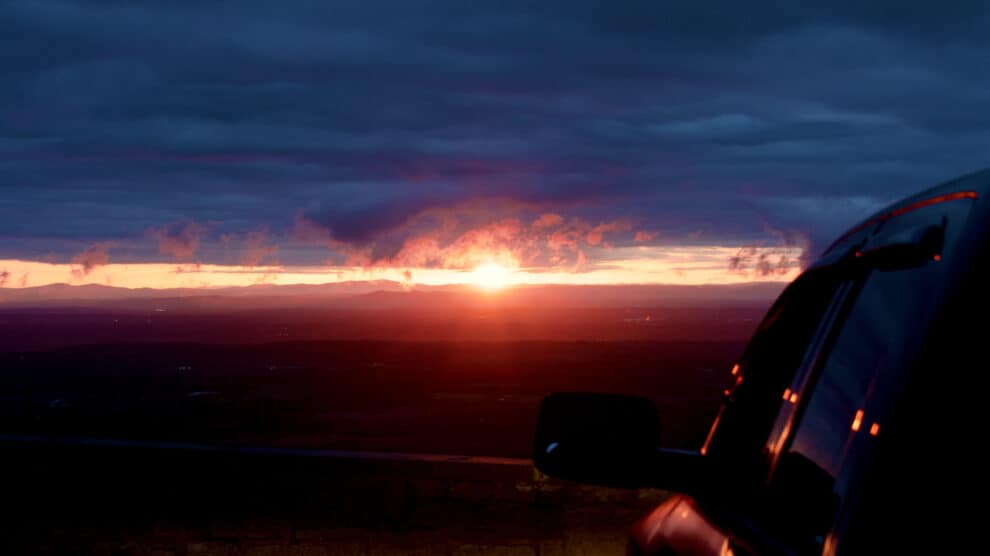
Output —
(699, 124)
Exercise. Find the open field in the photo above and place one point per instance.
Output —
(476, 398)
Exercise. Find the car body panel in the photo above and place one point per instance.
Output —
(685, 525)
(678, 527)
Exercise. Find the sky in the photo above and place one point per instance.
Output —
(212, 143)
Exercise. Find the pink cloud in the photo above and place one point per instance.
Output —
(4, 277)
(549, 220)
(598, 232)
(565, 238)
(92, 257)
(642, 236)
(581, 264)
(307, 232)
(178, 239)
(257, 248)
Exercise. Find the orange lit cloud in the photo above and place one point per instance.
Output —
(460, 238)
(432, 247)
(549, 220)
(503, 242)
(464, 236)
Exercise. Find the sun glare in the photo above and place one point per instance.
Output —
(491, 276)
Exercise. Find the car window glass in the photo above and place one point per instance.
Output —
(773, 355)
(846, 407)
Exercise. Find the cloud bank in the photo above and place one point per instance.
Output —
(550, 132)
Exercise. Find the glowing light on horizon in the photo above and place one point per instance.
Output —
(637, 265)
(491, 276)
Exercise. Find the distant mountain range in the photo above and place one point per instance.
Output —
(383, 294)
(96, 292)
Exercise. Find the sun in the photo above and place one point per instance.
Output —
(491, 276)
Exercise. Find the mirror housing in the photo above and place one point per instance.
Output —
(908, 249)
(609, 440)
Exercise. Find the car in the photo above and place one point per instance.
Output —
(853, 420)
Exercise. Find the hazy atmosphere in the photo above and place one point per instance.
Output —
(490, 278)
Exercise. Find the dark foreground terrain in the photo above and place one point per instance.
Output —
(477, 398)
(120, 450)
(127, 501)
(181, 432)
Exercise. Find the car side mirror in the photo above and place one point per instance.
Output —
(604, 439)
(908, 249)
